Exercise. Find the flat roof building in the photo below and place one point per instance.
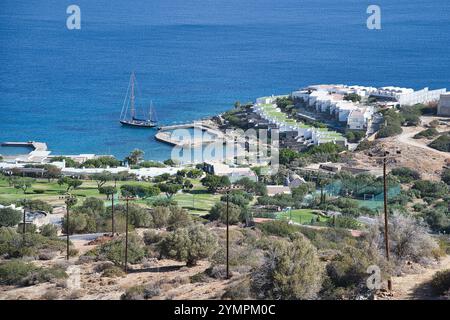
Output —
(444, 105)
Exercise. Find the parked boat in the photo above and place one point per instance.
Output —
(128, 115)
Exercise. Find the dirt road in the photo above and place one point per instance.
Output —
(415, 286)
(407, 138)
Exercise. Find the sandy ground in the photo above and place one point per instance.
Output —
(415, 286)
(93, 286)
(415, 153)
(176, 285)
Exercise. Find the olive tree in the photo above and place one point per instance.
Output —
(178, 218)
(9, 217)
(290, 270)
(160, 215)
(189, 244)
(219, 212)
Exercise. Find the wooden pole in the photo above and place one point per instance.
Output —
(386, 225)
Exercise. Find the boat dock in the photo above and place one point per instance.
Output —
(39, 153)
(165, 134)
(37, 146)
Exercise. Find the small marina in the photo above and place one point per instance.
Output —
(198, 133)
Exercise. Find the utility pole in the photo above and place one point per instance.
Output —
(384, 157)
(127, 200)
(386, 225)
(23, 222)
(126, 237)
(69, 200)
(228, 234)
(112, 214)
(227, 190)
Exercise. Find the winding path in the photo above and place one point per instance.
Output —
(407, 138)
(416, 286)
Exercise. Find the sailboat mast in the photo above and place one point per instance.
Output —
(133, 110)
(150, 111)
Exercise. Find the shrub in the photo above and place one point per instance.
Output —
(291, 270)
(219, 212)
(13, 246)
(29, 228)
(442, 143)
(133, 293)
(213, 182)
(252, 187)
(151, 164)
(237, 291)
(446, 176)
(431, 189)
(17, 272)
(36, 205)
(347, 271)
(50, 294)
(365, 145)
(441, 282)
(409, 240)
(9, 217)
(406, 174)
(49, 230)
(137, 216)
(162, 202)
(178, 218)
(139, 191)
(152, 237)
(160, 216)
(78, 223)
(13, 272)
(142, 292)
(345, 222)
(189, 244)
(113, 272)
(278, 228)
(114, 250)
(392, 125)
(47, 255)
(101, 162)
(427, 133)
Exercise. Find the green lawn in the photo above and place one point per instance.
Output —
(301, 216)
(197, 201)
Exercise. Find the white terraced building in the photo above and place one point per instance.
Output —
(267, 109)
(330, 99)
(334, 104)
(407, 96)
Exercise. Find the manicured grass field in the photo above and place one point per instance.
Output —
(303, 216)
(197, 201)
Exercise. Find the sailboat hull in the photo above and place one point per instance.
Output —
(139, 124)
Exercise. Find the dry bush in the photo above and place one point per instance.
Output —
(238, 290)
(113, 272)
(47, 255)
(441, 282)
(50, 294)
(291, 270)
(409, 239)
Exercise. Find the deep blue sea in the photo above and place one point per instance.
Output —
(194, 58)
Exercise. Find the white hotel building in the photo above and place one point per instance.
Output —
(330, 99)
(266, 108)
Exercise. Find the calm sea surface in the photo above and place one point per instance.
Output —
(194, 58)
